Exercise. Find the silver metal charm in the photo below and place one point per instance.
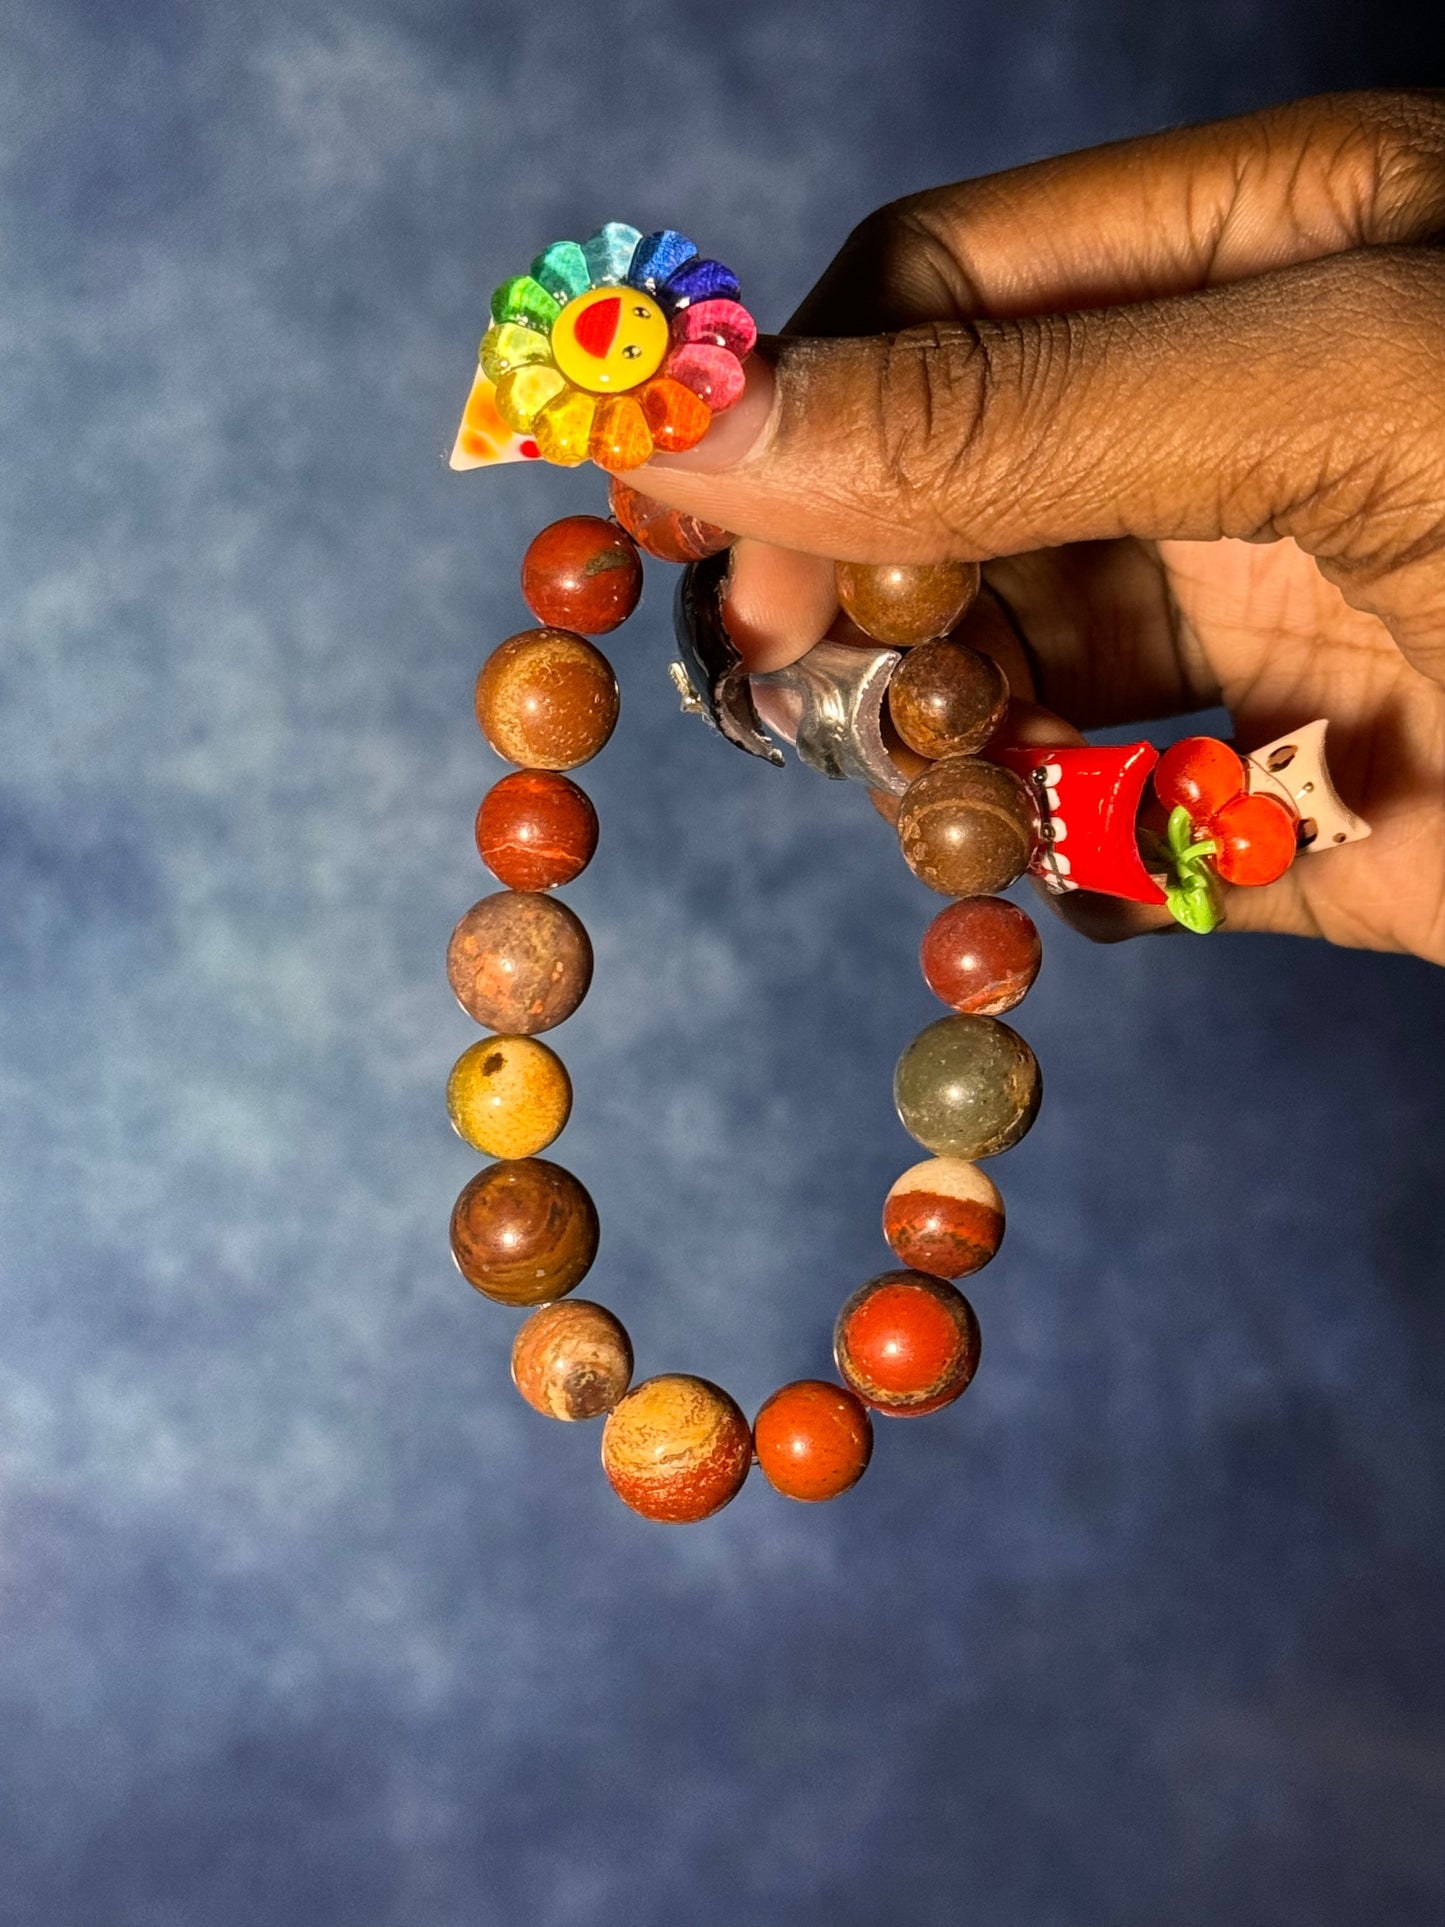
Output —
(712, 678)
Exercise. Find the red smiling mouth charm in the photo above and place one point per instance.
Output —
(596, 327)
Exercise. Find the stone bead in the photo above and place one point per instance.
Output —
(945, 1217)
(508, 1096)
(582, 573)
(967, 1087)
(981, 955)
(663, 532)
(572, 1360)
(813, 1440)
(966, 828)
(519, 962)
(946, 699)
(676, 1449)
(901, 603)
(536, 829)
(908, 1344)
(524, 1232)
(546, 699)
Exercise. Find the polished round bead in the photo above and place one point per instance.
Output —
(945, 1217)
(981, 955)
(676, 1449)
(524, 1232)
(907, 1343)
(663, 532)
(946, 699)
(508, 1096)
(901, 603)
(519, 962)
(572, 1360)
(967, 1087)
(582, 573)
(546, 699)
(966, 828)
(813, 1440)
(536, 829)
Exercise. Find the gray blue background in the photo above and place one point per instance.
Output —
(304, 1617)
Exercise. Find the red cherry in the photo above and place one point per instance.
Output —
(1200, 773)
(1256, 838)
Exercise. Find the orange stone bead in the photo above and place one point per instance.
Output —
(813, 1440)
(945, 1217)
(524, 1232)
(907, 1343)
(536, 829)
(906, 602)
(546, 699)
(582, 573)
(663, 532)
(676, 1449)
(572, 1360)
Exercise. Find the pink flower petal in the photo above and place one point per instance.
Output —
(714, 375)
(726, 324)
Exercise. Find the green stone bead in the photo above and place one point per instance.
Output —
(967, 1087)
(526, 302)
(562, 270)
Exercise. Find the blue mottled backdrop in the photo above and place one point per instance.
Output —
(304, 1617)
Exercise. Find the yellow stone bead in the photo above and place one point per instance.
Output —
(564, 428)
(508, 1096)
(524, 392)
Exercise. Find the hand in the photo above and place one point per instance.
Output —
(1185, 397)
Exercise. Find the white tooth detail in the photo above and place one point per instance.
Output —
(1061, 830)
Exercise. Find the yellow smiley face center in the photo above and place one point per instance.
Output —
(609, 339)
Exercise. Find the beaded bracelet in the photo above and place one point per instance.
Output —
(613, 349)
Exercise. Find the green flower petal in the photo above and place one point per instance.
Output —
(526, 302)
(562, 270)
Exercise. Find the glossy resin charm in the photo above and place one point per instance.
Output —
(608, 349)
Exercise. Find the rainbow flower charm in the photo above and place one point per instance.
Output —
(615, 347)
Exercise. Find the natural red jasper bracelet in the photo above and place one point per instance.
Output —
(610, 350)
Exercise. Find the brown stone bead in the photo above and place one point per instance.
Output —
(519, 962)
(536, 829)
(676, 1449)
(902, 603)
(966, 828)
(944, 1216)
(547, 699)
(907, 1343)
(524, 1232)
(582, 573)
(813, 1440)
(572, 1360)
(981, 955)
(663, 532)
(946, 699)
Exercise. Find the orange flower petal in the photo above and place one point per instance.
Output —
(677, 417)
(620, 438)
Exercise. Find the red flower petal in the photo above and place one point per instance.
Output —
(726, 324)
(714, 375)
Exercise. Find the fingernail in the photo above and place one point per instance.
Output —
(733, 436)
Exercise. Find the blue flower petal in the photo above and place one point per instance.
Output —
(659, 255)
(609, 253)
(700, 281)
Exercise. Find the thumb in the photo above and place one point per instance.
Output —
(1302, 402)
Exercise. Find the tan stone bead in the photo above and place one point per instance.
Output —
(676, 1449)
(966, 828)
(572, 1360)
(519, 962)
(547, 699)
(901, 603)
(508, 1096)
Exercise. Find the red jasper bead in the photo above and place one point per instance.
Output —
(663, 532)
(1257, 839)
(1200, 773)
(813, 1440)
(981, 955)
(582, 573)
(536, 829)
(907, 1343)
